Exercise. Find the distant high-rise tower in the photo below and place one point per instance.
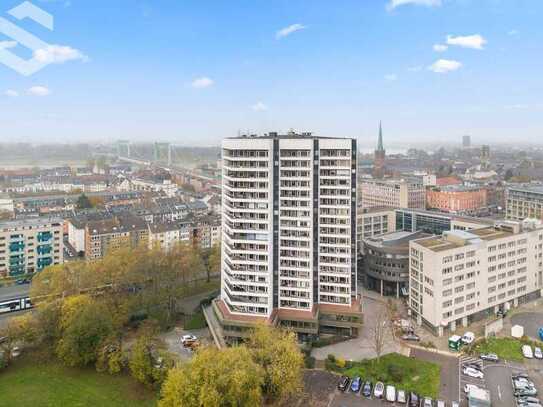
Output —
(485, 157)
(380, 155)
(466, 141)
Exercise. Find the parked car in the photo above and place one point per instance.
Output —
(468, 338)
(491, 357)
(528, 399)
(411, 337)
(379, 390)
(440, 403)
(537, 353)
(528, 391)
(471, 372)
(541, 333)
(15, 352)
(501, 313)
(520, 375)
(390, 393)
(400, 397)
(528, 404)
(527, 351)
(414, 400)
(475, 366)
(355, 384)
(455, 404)
(468, 387)
(343, 383)
(186, 339)
(366, 389)
(427, 402)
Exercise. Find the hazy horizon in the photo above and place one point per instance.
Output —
(197, 72)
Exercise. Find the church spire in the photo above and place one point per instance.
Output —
(380, 141)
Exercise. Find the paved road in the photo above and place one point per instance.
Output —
(349, 399)
(531, 321)
(449, 387)
(361, 347)
(14, 291)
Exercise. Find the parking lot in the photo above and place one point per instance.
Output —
(531, 321)
(497, 379)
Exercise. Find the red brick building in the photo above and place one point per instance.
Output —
(459, 199)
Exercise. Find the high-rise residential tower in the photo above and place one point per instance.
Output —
(289, 234)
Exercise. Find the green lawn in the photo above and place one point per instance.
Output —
(505, 348)
(197, 321)
(408, 374)
(31, 382)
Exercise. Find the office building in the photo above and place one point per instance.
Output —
(401, 193)
(466, 141)
(28, 246)
(524, 202)
(386, 262)
(435, 223)
(289, 235)
(374, 222)
(463, 276)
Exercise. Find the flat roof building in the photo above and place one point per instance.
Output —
(402, 193)
(28, 246)
(463, 276)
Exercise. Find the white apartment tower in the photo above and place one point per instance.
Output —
(289, 228)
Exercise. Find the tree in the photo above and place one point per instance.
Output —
(141, 361)
(379, 332)
(85, 323)
(215, 378)
(17, 331)
(83, 202)
(277, 351)
(213, 261)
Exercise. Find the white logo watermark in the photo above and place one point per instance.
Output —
(23, 37)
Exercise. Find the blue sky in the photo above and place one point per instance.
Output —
(193, 72)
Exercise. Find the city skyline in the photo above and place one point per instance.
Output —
(431, 70)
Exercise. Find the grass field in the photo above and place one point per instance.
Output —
(197, 321)
(505, 348)
(405, 373)
(32, 382)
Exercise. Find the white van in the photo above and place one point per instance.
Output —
(468, 338)
(391, 393)
(527, 351)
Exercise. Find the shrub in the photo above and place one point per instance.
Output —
(340, 362)
(331, 358)
(309, 362)
(395, 372)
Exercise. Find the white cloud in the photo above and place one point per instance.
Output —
(391, 77)
(440, 47)
(58, 54)
(259, 107)
(8, 44)
(415, 68)
(475, 41)
(512, 32)
(38, 91)
(203, 82)
(11, 93)
(289, 30)
(397, 3)
(444, 66)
